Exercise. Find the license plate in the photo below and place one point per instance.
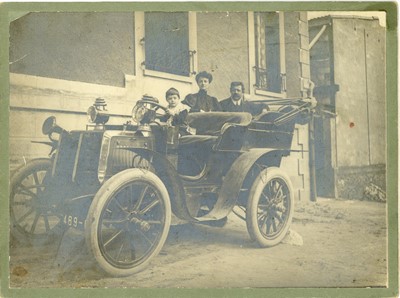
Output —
(74, 221)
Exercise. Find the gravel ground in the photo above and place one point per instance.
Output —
(334, 243)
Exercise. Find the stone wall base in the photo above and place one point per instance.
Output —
(351, 182)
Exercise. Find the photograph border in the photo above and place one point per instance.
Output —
(7, 13)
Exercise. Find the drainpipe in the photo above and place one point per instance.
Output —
(311, 146)
(311, 154)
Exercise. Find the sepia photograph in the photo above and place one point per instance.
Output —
(199, 149)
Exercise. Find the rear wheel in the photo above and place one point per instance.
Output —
(33, 214)
(128, 221)
(270, 207)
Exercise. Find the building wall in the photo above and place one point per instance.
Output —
(297, 85)
(223, 49)
(353, 58)
(61, 62)
(359, 60)
(361, 135)
(297, 54)
(33, 99)
(66, 88)
(376, 92)
(74, 46)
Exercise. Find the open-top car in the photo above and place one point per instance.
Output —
(120, 184)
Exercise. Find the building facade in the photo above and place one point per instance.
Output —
(348, 69)
(61, 62)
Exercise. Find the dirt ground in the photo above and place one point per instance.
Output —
(344, 245)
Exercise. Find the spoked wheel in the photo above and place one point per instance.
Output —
(33, 215)
(128, 221)
(270, 207)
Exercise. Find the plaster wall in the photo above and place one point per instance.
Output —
(64, 81)
(223, 49)
(74, 46)
(359, 62)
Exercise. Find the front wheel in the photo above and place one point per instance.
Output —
(128, 221)
(270, 207)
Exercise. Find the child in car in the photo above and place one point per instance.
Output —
(176, 111)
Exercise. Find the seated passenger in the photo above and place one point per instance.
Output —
(201, 101)
(237, 103)
(176, 111)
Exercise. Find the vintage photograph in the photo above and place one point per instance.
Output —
(198, 149)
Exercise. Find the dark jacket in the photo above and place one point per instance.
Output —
(253, 108)
(202, 101)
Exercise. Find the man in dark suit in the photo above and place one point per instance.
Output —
(237, 103)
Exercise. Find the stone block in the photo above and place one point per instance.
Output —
(305, 71)
(303, 27)
(304, 56)
(304, 42)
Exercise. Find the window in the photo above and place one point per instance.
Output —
(269, 54)
(167, 42)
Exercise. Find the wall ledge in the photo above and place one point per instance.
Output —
(64, 85)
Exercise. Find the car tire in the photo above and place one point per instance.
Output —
(128, 222)
(270, 207)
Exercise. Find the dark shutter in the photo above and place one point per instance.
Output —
(167, 42)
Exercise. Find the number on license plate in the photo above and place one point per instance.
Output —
(72, 221)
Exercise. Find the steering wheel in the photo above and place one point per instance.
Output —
(155, 107)
(147, 111)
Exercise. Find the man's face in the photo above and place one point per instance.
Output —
(237, 92)
(203, 83)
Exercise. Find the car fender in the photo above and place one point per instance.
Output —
(236, 175)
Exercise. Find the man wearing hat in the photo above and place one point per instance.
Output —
(201, 101)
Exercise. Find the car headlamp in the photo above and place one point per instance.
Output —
(139, 112)
(97, 113)
(92, 114)
(142, 113)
